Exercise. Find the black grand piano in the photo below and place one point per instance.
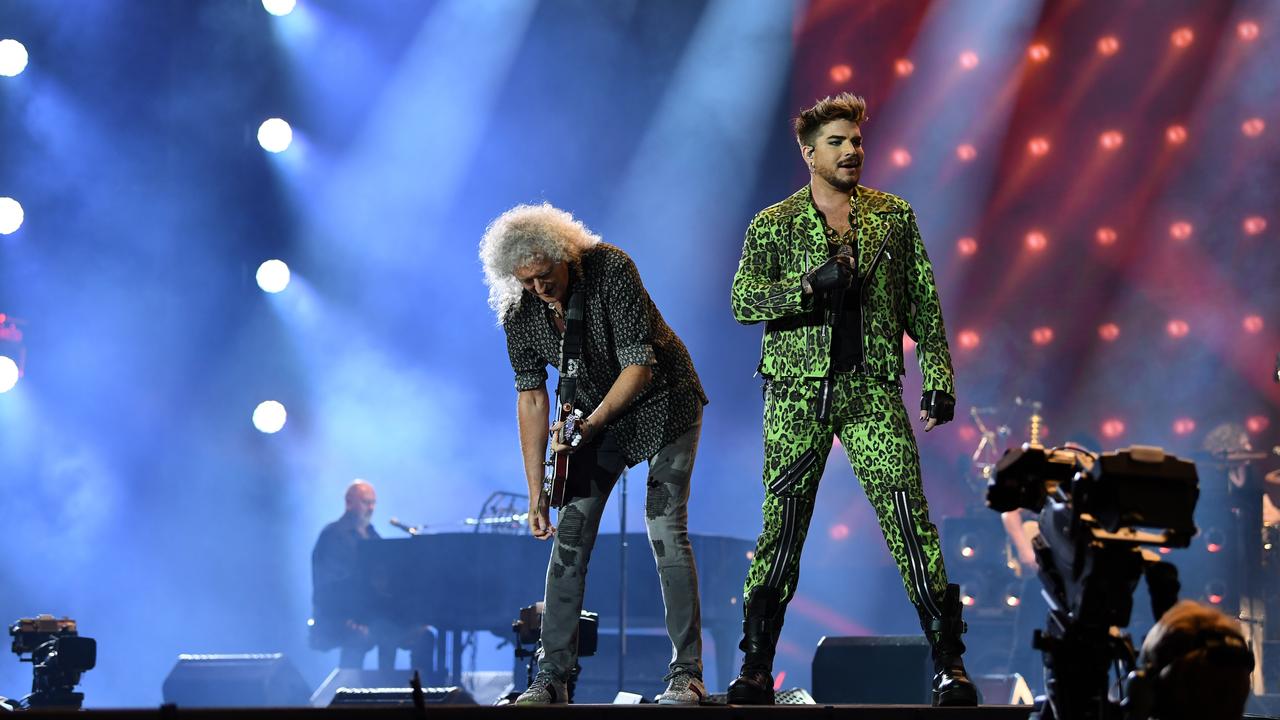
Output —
(470, 581)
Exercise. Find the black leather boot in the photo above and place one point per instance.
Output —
(951, 684)
(760, 630)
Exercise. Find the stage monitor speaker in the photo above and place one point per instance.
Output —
(1011, 689)
(245, 680)
(395, 696)
(887, 670)
(793, 696)
(358, 678)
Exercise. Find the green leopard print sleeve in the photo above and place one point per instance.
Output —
(924, 317)
(760, 292)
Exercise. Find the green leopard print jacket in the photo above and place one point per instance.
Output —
(786, 240)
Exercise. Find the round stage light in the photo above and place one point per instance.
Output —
(279, 8)
(8, 373)
(1184, 426)
(1214, 540)
(1112, 428)
(13, 57)
(11, 216)
(1254, 224)
(1175, 134)
(1181, 230)
(1257, 423)
(1042, 335)
(269, 417)
(1177, 328)
(1182, 37)
(839, 531)
(968, 59)
(904, 67)
(901, 157)
(1038, 146)
(1253, 127)
(1109, 332)
(275, 135)
(1036, 241)
(1108, 45)
(1111, 140)
(1215, 592)
(967, 246)
(966, 152)
(841, 73)
(1252, 324)
(273, 276)
(1038, 52)
(1247, 30)
(968, 339)
(1105, 236)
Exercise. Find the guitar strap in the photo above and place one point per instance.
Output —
(570, 352)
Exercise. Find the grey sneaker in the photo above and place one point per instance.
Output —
(684, 689)
(546, 689)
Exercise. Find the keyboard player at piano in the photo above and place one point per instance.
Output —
(552, 282)
(345, 611)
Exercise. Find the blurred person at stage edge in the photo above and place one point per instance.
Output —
(838, 272)
(1194, 665)
(346, 611)
(1229, 446)
(641, 401)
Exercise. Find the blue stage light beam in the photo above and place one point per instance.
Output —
(404, 170)
(706, 139)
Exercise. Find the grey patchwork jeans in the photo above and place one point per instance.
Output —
(667, 518)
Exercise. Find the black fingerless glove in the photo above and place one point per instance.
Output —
(831, 275)
(939, 405)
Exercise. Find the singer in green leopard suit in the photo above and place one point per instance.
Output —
(838, 272)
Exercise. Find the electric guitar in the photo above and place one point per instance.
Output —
(557, 476)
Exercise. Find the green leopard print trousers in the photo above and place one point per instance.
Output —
(869, 418)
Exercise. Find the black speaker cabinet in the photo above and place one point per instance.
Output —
(351, 686)
(888, 670)
(394, 696)
(257, 680)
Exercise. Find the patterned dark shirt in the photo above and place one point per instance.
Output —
(621, 327)
(846, 349)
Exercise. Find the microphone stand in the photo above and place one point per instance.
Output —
(622, 583)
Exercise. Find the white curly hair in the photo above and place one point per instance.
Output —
(521, 235)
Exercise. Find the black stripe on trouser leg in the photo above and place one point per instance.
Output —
(786, 541)
(915, 555)
(794, 472)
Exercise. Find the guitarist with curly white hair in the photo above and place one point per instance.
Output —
(627, 394)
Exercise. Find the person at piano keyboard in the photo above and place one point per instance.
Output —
(345, 613)
(641, 400)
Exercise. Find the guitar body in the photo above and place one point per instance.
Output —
(557, 480)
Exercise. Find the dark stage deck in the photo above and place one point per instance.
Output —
(582, 712)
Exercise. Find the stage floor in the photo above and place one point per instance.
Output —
(610, 712)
